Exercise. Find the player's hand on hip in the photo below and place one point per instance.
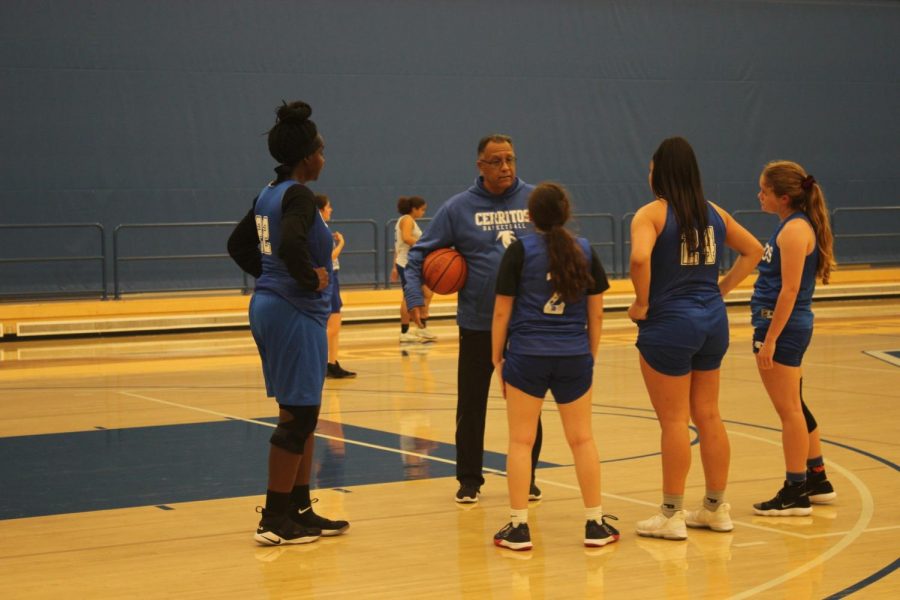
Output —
(322, 274)
(637, 312)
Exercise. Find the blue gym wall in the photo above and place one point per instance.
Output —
(125, 111)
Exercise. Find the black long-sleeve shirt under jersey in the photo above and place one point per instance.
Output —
(298, 208)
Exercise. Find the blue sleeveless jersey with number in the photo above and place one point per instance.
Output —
(768, 283)
(678, 276)
(275, 277)
(541, 324)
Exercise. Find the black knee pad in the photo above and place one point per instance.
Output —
(292, 435)
(810, 419)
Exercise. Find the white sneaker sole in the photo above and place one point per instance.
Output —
(600, 543)
(334, 532)
(269, 538)
(823, 498)
(517, 546)
(784, 512)
(663, 535)
(466, 500)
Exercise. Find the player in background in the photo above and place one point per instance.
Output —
(406, 233)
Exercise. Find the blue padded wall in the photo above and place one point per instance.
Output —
(137, 112)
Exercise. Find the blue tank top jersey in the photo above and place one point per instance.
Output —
(541, 323)
(677, 276)
(275, 277)
(768, 283)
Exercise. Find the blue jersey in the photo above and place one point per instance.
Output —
(679, 277)
(768, 283)
(541, 323)
(275, 276)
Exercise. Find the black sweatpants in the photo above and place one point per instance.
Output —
(474, 372)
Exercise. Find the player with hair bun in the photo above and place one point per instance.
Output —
(284, 243)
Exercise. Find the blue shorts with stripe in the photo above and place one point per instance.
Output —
(293, 348)
(690, 337)
(568, 378)
(790, 346)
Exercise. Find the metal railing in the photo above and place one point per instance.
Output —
(849, 224)
(117, 259)
(612, 232)
(371, 251)
(101, 258)
(837, 216)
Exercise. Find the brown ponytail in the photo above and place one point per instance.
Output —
(790, 179)
(549, 209)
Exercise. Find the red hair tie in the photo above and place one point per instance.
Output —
(807, 183)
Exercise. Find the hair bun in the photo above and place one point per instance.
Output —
(295, 112)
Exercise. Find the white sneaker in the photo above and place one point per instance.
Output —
(424, 335)
(660, 526)
(408, 337)
(717, 520)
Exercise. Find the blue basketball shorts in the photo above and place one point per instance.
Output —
(293, 347)
(790, 346)
(568, 378)
(689, 338)
(336, 302)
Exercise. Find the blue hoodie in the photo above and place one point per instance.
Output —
(480, 226)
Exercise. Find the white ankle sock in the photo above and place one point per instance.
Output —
(518, 516)
(593, 514)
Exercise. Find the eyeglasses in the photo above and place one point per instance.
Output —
(496, 163)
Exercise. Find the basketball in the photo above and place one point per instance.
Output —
(444, 271)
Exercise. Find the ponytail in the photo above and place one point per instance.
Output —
(406, 204)
(790, 179)
(548, 208)
(817, 213)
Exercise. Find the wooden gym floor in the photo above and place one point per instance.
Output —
(131, 467)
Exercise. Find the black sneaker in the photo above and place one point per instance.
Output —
(600, 534)
(308, 518)
(818, 488)
(514, 538)
(275, 530)
(790, 501)
(467, 494)
(336, 371)
(534, 493)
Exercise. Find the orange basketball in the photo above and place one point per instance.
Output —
(444, 271)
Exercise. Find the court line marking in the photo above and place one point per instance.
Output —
(867, 509)
(319, 435)
(865, 517)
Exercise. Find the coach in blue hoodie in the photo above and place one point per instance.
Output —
(480, 223)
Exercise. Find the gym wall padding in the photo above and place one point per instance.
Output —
(138, 112)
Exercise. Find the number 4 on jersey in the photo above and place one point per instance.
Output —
(262, 231)
(689, 258)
